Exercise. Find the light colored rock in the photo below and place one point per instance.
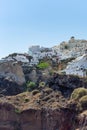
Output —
(72, 48)
(34, 119)
(12, 71)
(78, 66)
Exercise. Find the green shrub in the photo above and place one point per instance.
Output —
(78, 93)
(41, 84)
(17, 111)
(83, 102)
(31, 85)
(43, 65)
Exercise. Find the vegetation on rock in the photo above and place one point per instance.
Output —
(31, 86)
(43, 65)
(41, 84)
(17, 111)
(83, 102)
(78, 93)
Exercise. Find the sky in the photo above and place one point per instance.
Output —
(40, 22)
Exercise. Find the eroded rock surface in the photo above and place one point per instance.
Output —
(12, 71)
(66, 83)
(12, 78)
(35, 119)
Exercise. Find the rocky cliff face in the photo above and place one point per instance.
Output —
(12, 78)
(66, 83)
(12, 71)
(43, 108)
(36, 119)
(40, 110)
(47, 107)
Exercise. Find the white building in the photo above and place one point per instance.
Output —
(17, 57)
(72, 48)
(78, 66)
(38, 53)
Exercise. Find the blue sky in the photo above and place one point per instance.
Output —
(44, 22)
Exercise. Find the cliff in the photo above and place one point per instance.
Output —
(44, 109)
(18, 113)
(47, 100)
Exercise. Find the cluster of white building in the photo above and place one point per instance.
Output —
(78, 66)
(38, 53)
(72, 48)
(17, 57)
(35, 54)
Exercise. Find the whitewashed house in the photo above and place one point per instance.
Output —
(78, 66)
(38, 53)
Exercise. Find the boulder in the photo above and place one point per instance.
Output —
(12, 78)
(12, 71)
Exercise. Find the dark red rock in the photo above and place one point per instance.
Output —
(36, 119)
